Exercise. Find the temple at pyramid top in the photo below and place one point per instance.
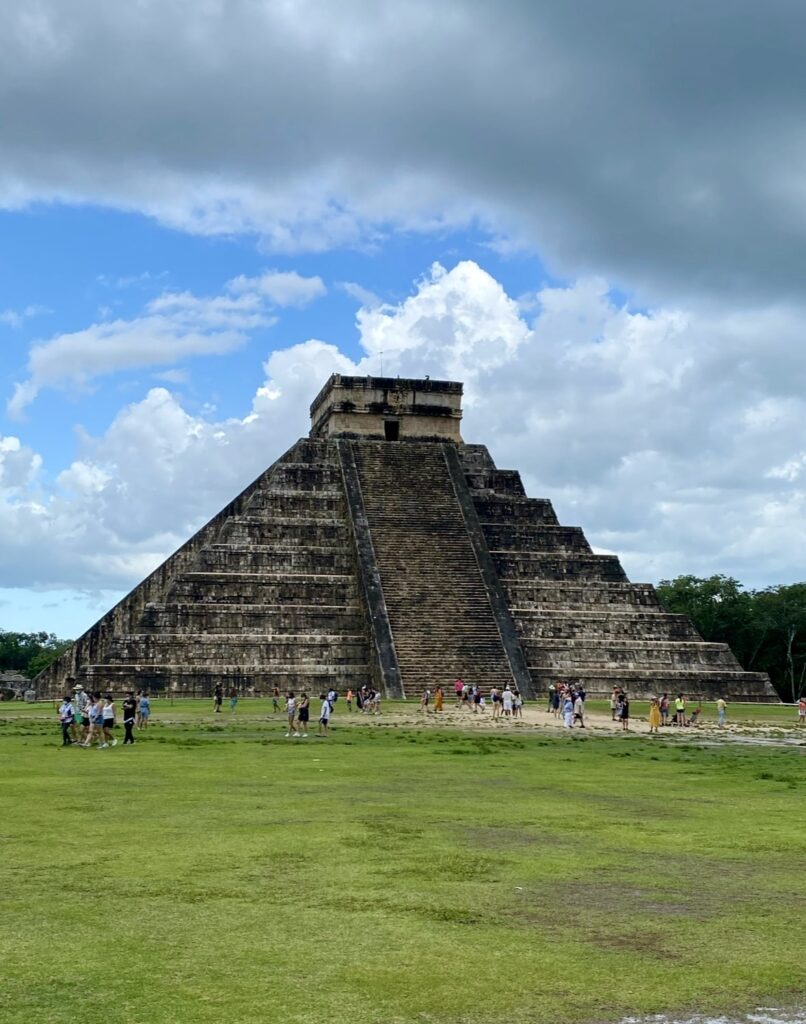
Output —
(388, 409)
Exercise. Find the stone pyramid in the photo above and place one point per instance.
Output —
(382, 549)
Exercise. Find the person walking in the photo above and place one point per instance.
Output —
(93, 719)
(145, 710)
(108, 722)
(654, 715)
(721, 713)
(579, 710)
(129, 717)
(80, 703)
(67, 716)
(291, 712)
(218, 698)
(303, 715)
(233, 698)
(275, 699)
(324, 715)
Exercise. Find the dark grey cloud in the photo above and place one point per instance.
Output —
(660, 144)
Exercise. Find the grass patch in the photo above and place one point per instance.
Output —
(219, 872)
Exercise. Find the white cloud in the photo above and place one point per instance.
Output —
(174, 326)
(17, 317)
(648, 429)
(77, 358)
(282, 288)
(360, 293)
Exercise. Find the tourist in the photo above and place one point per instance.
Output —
(552, 691)
(802, 711)
(459, 688)
(93, 718)
(654, 714)
(624, 712)
(129, 717)
(439, 699)
(568, 711)
(517, 704)
(506, 701)
(721, 713)
(233, 698)
(218, 697)
(108, 722)
(80, 703)
(145, 710)
(664, 709)
(680, 710)
(332, 696)
(477, 699)
(614, 704)
(376, 701)
(303, 714)
(67, 716)
(138, 720)
(349, 700)
(555, 702)
(695, 716)
(324, 715)
(495, 700)
(579, 710)
(424, 700)
(275, 698)
(291, 712)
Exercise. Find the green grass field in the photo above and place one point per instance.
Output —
(218, 872)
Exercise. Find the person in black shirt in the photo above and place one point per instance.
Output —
(218, 697)
(129, 715)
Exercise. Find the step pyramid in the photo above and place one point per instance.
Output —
(384, 550)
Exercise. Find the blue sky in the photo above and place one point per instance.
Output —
(205, 211)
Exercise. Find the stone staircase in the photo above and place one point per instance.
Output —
(438, 607)
(578, 617)
(267, 596)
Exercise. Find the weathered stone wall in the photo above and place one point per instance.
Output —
(578, 617)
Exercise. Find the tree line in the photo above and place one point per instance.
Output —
(29, 653)
(765, 629)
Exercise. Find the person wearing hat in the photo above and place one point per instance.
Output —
(66, 719)
(80, 702)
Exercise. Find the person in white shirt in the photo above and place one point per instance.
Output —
(108, 722)
(324, 715)
(291, 711)
(507, 701)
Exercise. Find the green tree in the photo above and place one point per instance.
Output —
(29, 653)
(766, 629)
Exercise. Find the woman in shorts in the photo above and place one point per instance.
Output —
(291, 712)
(108, 721)
(145, 710)
(303, 714)
(93, 720)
